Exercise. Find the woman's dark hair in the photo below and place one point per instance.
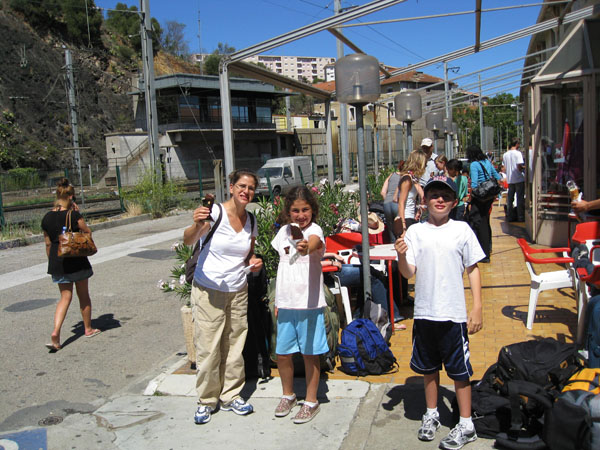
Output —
(454, 164)
(298, 193)
(474, 153)
(239, 173)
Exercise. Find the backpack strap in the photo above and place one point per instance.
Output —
(210, 233)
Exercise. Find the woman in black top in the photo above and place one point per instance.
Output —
(66, 271)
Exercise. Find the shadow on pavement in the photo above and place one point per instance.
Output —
(412, 396)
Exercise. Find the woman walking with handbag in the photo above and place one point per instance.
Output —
(67, 271)
(481, 170)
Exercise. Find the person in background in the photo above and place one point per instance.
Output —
(299, 300)
(438, 252)
(409, 195)
(67, 271)
(514, 166)
(220, 297)
(390, 207)
(479, 211)
(427, 147)
(440, 164)
(454, 168)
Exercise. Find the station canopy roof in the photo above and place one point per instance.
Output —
(577, 55)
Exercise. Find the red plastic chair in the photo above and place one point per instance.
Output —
(342, 244)
(546, 280)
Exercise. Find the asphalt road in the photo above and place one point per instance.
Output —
(141, 324)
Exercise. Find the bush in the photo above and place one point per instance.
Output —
(334, 206)
(20, 178)
(153, 196)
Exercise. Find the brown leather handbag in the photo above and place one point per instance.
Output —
(75, 244)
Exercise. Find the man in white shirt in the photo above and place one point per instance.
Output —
(427, 147)
(514, 165)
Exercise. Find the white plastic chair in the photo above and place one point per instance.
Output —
(546, 280)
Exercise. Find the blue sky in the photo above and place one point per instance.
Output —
(242, 23)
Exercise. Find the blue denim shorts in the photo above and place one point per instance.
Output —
(301, 330)
(72, 277)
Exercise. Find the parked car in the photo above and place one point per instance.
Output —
(284, 174)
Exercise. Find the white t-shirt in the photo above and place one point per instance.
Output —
(440, 255)
(299, 284)
(511, 160)
(221, 262)
(430, 167)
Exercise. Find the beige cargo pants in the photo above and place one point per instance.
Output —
(220, 322)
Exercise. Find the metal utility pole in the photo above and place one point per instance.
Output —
(344, 150)
(481, 131)
(149, 91)
(448, 112)
(200, 45)
(73, 117)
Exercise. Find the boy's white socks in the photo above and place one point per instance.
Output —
(467, 422)
(432, 412)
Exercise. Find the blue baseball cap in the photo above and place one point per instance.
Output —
(441, 180)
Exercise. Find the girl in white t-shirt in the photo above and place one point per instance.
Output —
(299, 300)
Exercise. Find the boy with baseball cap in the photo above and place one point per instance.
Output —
(438, 252)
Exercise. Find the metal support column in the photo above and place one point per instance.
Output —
(150, 92)
(344, 150)
(229, 154)
(73, 117)
(329, 144)
(362, 181)
(481, 131)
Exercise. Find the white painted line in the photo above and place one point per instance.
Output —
(37, 272)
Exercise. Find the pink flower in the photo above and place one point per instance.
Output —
(315, 189)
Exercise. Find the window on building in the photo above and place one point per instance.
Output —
(214, 109)
(239, 110)
(263, 110)
(189, 108)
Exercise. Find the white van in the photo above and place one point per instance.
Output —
(284, 174)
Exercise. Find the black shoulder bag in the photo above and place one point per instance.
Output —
(487, 190)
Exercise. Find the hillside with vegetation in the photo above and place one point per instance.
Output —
(35, 129)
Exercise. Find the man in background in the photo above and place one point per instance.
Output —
(514, 165)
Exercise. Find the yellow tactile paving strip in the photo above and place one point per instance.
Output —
(505, 284)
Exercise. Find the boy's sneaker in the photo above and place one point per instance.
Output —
(285, 406)
(429, 425)
(458, 437)
(203, 414)
(238, 406)
(306, 413)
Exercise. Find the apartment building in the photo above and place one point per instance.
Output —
(296, 67)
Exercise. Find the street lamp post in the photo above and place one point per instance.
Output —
(434, 121)
(407, 106)
(357, 83)
(448, 133)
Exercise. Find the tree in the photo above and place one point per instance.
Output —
(212, 61)
(126, 22)
(80, 21)
(173, 39)
(497, 113)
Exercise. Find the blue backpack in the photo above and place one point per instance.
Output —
(363, 351)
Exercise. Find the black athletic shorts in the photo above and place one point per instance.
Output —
(435, 343)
